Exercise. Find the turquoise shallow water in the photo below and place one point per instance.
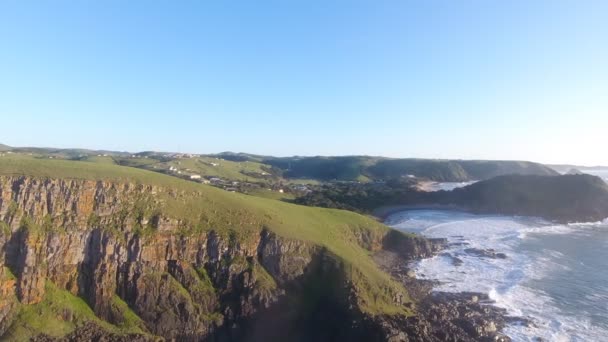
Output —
(556, 275)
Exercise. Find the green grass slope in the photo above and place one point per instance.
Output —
(214, 167)
(59, 314)
(203, 166)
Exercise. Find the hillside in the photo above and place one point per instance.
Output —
(139, 252)
(204, 166)
(324, 168)
(564, 168)
(362, 168)
(66, 153)
(567, 198)
(267, 169)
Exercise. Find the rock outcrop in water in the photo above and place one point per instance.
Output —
(91, 240)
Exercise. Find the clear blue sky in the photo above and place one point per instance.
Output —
(440, 79)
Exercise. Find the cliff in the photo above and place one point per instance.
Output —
(143, 261)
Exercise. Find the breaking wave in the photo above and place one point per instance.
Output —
(544, 276)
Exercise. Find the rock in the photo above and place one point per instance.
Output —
(444, 316)
(485, 253)
(92, 332)
(455, 260)
(456, 244)
(502, 338)
(411, 248)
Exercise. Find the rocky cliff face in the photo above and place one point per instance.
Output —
(88, 237)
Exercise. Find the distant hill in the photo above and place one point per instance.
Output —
(67, 153)
(319, 168)
(564, 168)
(4, 147)
(239, 156)
(357, 168)
(567, 198)
(348, 168)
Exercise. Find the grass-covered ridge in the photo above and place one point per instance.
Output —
(210, 208)
(17, 164)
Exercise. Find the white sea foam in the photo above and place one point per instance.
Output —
(507, 281)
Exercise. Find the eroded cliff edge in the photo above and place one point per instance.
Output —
(137, 261)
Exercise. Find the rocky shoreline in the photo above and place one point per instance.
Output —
(443, 316)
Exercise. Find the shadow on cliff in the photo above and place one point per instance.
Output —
(317, 306)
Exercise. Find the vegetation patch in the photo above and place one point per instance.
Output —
(57, 315)
(130, 322)
(263, 280)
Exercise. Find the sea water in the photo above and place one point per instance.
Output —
(555, 275)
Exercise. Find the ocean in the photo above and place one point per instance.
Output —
(555, 275)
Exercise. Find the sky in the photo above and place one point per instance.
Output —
(465, 79)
